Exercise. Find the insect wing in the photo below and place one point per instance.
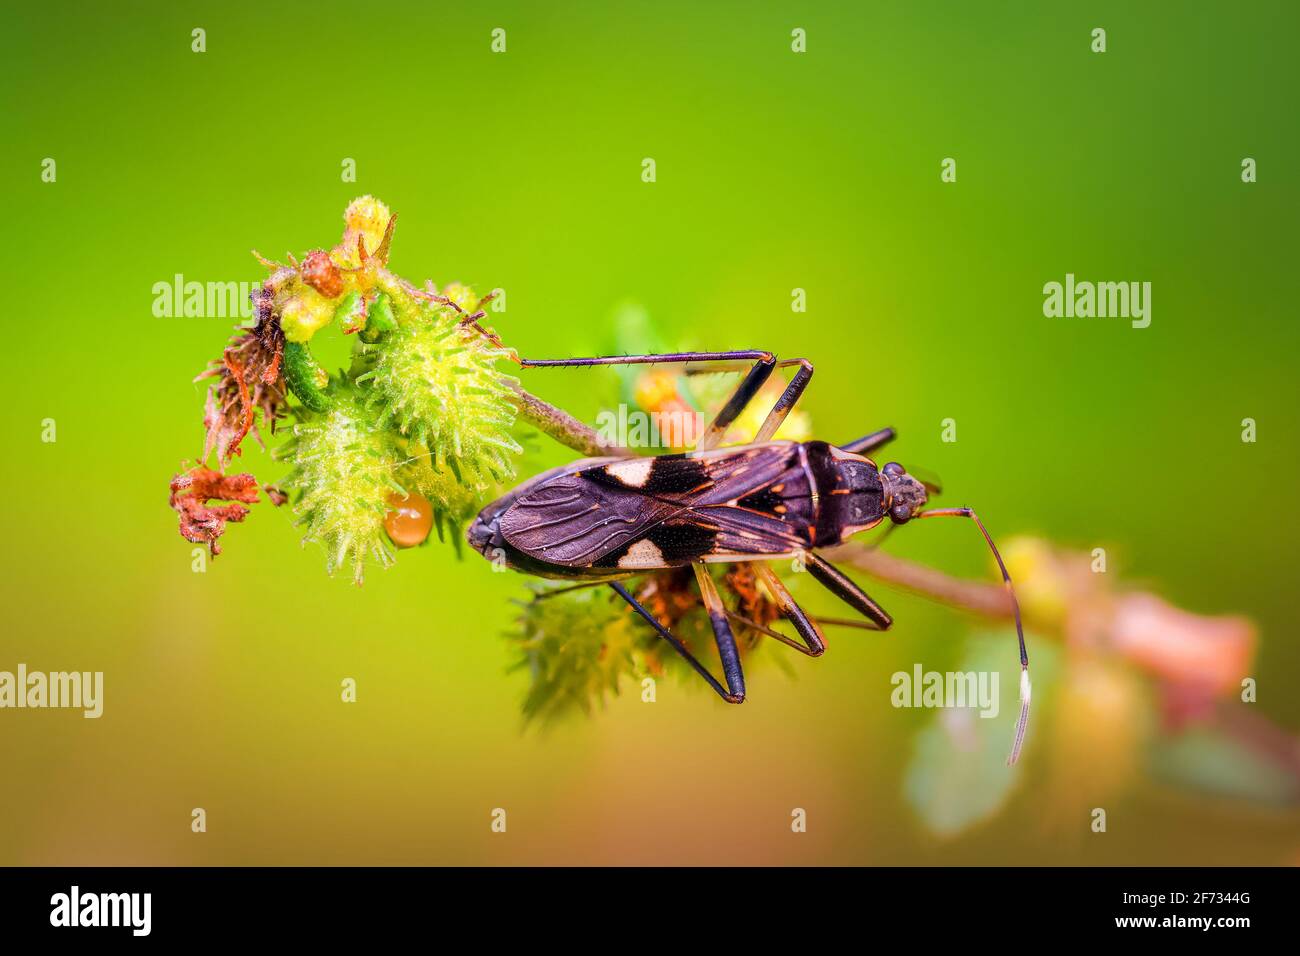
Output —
(642, 513)
(573, 521)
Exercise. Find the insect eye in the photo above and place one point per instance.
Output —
(894, 468)
(900, 514)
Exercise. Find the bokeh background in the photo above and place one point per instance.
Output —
(523, 170)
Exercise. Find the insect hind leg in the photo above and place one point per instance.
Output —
(776, 417)
(726, 693)
(726, 640)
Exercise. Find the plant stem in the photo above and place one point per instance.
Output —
(562, 426)
(987, 599)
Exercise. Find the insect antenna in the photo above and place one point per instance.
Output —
(1023, 721)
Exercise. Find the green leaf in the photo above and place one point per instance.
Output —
(958, 775)
(1209, 760)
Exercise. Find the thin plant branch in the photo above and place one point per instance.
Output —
(986, 599)
(562, 426)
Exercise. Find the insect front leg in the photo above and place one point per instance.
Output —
(842, 586)
(726, 693)
(869, 443)
(779, 411)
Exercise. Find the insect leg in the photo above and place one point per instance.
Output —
(869, 443)
(842, 586)
(722, 634)
(775, 635)
(555, 592)
(787, 400)
(677, 645)
(783, 405)
(764, 363)
(844, 622)
(805, 626)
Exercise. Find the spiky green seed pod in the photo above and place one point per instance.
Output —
(343, 472)
(421, 410)
(436, 383)
(578, 649)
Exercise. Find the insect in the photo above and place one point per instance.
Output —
(603, 520)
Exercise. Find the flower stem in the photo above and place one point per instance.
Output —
(562, 426)
(987, 599)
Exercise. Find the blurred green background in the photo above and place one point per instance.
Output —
(523, 170)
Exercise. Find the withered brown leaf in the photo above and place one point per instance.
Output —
(192, 490)
(249, 378)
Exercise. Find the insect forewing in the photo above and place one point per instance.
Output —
(669, 510)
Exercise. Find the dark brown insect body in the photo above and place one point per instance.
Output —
(601, 520)
(602, 517)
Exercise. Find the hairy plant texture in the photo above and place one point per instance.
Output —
(579, 647)
(343, 473)
(453, 501)
(433, 384)
(422, 409)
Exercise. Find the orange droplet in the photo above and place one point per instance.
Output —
(409, 521)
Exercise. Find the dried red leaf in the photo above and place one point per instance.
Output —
(249, 378)
(192, 490)
(245, 398)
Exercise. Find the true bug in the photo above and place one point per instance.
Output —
(602, 520)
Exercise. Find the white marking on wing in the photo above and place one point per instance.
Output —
(634, 472)
(642, 554)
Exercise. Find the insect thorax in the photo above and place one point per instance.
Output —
(850, 493)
